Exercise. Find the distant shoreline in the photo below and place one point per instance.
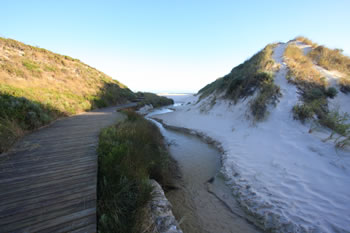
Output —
(174, 94)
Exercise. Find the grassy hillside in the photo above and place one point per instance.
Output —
(38, 86)
(245, 77)
(257, 73)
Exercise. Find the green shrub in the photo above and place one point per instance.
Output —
(313, 94)
(330, 119)
(302, 112)
(18, 114)
(268, 94)
(130, 153)
(331, 92)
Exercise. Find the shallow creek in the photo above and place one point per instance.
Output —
(202, 203)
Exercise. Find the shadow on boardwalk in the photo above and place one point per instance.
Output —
(48, 181)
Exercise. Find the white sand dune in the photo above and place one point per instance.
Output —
(287, 178)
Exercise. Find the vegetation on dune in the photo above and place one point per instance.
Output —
(314, 93)
(268, 95)
(314, 106)
(333, 59)
(130, 153)
(330, 59)
(301, 69)
(150, 98)
(257, 73)
(35, 80)
(344, 83)
(306, 41)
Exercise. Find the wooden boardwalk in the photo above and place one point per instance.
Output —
(48, 182)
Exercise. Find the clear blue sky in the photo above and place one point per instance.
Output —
(171, 45)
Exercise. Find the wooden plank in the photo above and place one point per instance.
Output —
(35, 154)
(42, 225)
(44, 174)
(48, 182)
(54, 206)
(58, 139)
(10, 190)
(86, 224)
(58, 161)
(46, 168)
(45, 158)
(45, 200)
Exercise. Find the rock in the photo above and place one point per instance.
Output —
(161, 214)
(145, 109)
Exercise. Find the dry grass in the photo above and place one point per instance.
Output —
(333, 59)
(301, 69)
(306, 41)
(330, 59)
(313, 92)
(29, 68)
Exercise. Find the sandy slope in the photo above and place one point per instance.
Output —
(286, 177)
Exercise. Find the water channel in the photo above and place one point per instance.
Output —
(202, 203)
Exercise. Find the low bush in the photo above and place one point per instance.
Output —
(130, 153)
(268, 95)
(315, 106)
(331, 92)
(313, 94)
(18, 115)
(302, 112)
